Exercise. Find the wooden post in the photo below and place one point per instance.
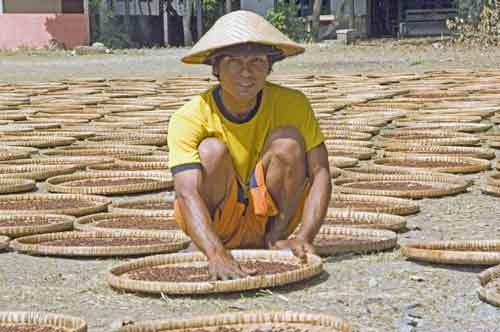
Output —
(315, 20)
(228, 6)
(186, 22)
(164, 12)
(352, 15)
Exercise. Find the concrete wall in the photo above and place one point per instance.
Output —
(30, 6)
(38, 30)
(257, 6)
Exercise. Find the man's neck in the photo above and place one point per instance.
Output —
(237, 108)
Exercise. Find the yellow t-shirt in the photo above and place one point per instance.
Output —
(201, 118)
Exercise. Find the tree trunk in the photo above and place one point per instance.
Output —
(199, 19)
(186, 22)
(126, 18)
(228, 6)
(103, 17)
(315, 20)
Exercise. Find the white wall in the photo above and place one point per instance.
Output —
(257, 6)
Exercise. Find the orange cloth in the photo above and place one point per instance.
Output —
(244, 226)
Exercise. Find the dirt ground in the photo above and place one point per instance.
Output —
(379, 292)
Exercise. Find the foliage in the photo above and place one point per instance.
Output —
(484, 32)
(212, 10)
(284, 17)
(113, 33)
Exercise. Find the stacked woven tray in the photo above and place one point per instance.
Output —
(490, 285)
(370, 203)
(40, 321)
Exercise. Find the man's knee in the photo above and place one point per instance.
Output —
(213, 154)
(287, 144)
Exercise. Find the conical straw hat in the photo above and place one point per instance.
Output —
(240, 27)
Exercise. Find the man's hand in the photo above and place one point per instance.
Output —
(299, 247)
(223, 266)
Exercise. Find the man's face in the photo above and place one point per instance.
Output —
(243, 76)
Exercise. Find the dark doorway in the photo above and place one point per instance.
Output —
(72, 6)
(384, 18)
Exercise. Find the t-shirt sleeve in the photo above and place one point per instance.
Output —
(299, 114)
(186, 130)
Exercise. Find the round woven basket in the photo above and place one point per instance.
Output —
(490, 291)
(461, 252)
(23, 224)
(34, 244)
(465, 151)
(149, 225)
(130, 166)
(161, 158)
(151, 206)
(363, 171)
(379, 204)
(117, 276)
(363, 129)
(356, 240)
(35, 172)
(346, 134)
(4, 242)
(36, 141)
(80, 162)
(452, 126)
(342, 162)
(360, 219)
(335, 142)
(422, 185)
(248, 321)
(10, 186)
(147, 182)
(350, 151)
(493, 180)
(143, 139)
(73, 205)
(443, 164)
(57, 132)
(96, 151)
(36, 321)
(13, 155)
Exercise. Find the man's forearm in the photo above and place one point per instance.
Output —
(316, 205)
(199, 224)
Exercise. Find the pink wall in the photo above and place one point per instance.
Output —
(37, 30)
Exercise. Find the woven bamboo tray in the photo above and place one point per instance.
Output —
(79, 162)
(363, 171)
(423, 185)
(147, 182)
(34, 244)
(356, 240)
(379, 204)
(342, 162)
(23, 224)
(490, 291)
(346, 134)
(149, 224)
(73, 205)
(493, 180)
(248, 321)
(130, 166)
(143, 139)
(443, 164)
(452, 126)
(59, 132)
(360, 219)
(35, 172)
(360, 153)
(363, 129)
(145, 206)
(461, 252)
(335, 142)
(10, 186)
(4, 242)
(116, 151)
(37, 142)
(36, 320)
(12, 155)
(465, 151)
(117, 276)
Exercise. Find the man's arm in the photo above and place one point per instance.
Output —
(199, 226)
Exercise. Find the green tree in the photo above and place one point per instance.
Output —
(284, 16)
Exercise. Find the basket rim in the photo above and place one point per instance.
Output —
(71, 323)
(65, 223)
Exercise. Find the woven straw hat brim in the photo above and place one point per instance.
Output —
(359, 219)
(87, 224)
(4, 242)
(474, 152)
(61, 183)
(33, 244)
(10, 186)
(479, 252)
(35, 172)
(55, 223)
(68, 323)
(240, 320)
(125, 207)
(466, 164)
(236, 28)
(487, 294)
(442, 185)
(99, 203)
(312, 268)
(377, 240)
(382, 204)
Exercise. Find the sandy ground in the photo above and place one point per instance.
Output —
(380, 292)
